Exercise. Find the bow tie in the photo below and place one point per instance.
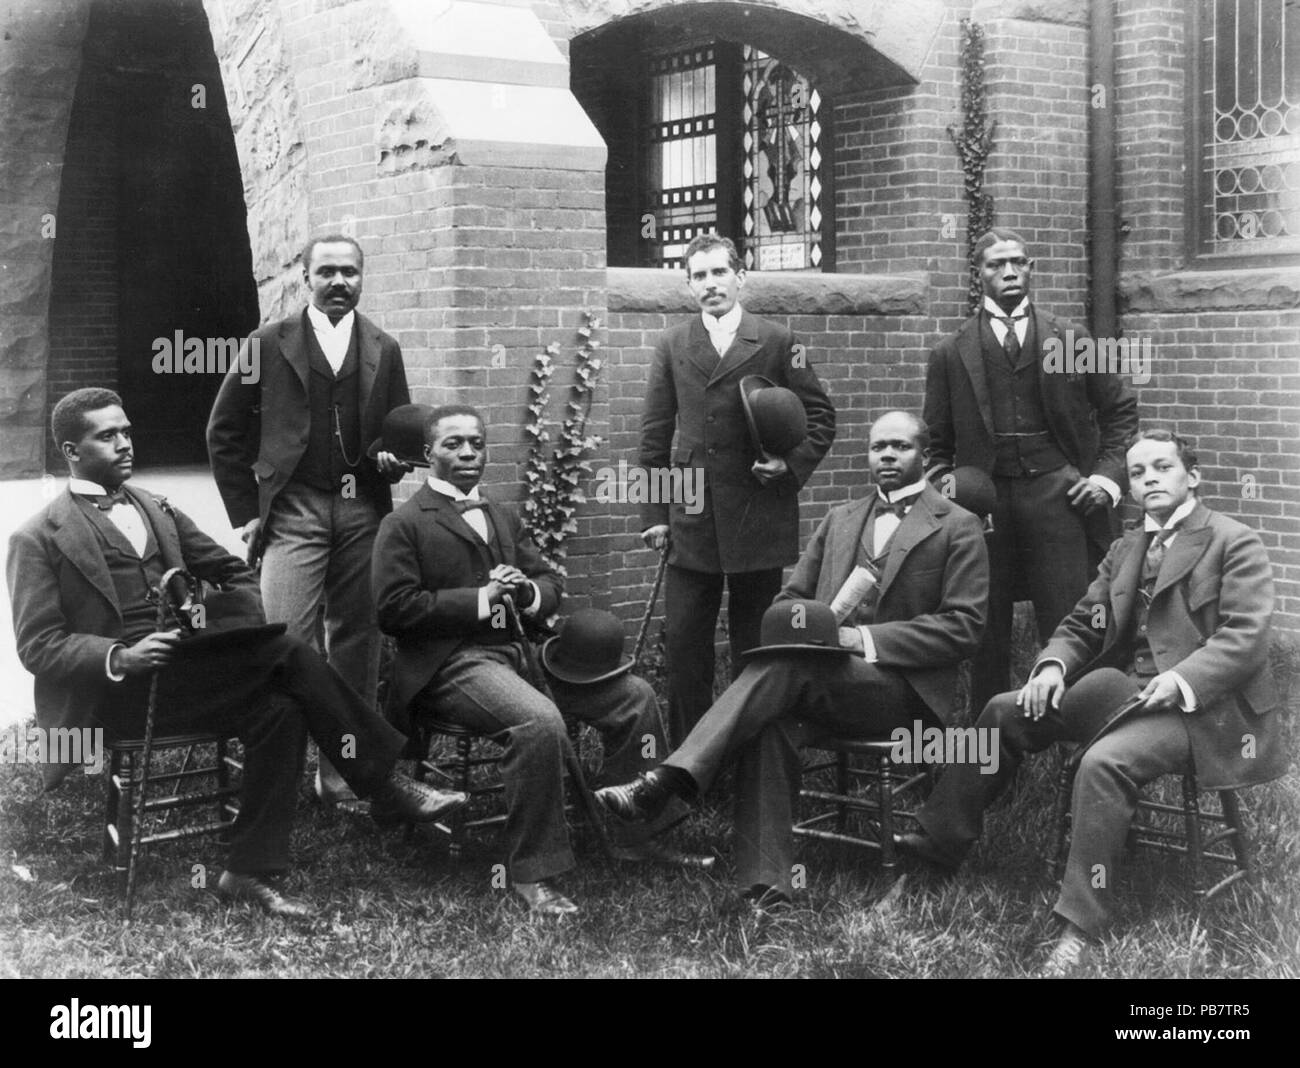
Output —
(467, 505)
(108, 501)
(899, 508)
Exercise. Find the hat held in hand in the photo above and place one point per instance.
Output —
(776, 416)
(970, 487)
(213, 619)
(799, 626)
(403, 434)
(589, 648)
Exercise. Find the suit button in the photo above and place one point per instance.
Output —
(1143, 628)
(709, 419)
(712, 449)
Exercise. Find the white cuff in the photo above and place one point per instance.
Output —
(108, 663)
(868, 645)
(1043, 663)
(484, 605)
(535, 605)
(1189, 695)
(1109, 487)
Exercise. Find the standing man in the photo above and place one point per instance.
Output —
(895, 660)
(288, 453)
(748, 528)
(1053, 442)
(1186, 602)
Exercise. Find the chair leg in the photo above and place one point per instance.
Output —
(885, 787)
(125, 822)
(1061, 820)
(1192, 818)
(464, 745)
(842, 789)
(111, 801)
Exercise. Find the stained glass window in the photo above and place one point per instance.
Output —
(1249, 198)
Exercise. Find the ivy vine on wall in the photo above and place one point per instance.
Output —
(554, 479)
(974, 142)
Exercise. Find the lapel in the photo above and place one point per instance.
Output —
(1124, 585)
(919, 523)
(76, 540)
(742, 350)
(368, 350)
(699, 349)
(446, 516)
(164, 529)
(1193, 539)
(972, 357)
(293, 345)
(844, 553)
(1051, 388)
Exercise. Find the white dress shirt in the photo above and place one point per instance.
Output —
(885, 527)
(478, 523)
(333, 339)
(130, 522)
(722, 328)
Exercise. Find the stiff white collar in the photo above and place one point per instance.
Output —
(448, 490)
(992, 307)
(894, 496)
(84, 485)
(723, 324)
(1151, 524)
(322, 323)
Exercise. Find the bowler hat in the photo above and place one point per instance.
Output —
(216, 620)
(799, 626)
(403, 434)
(776, 416)
(589, 648)
(1099, 701)
(970, 487)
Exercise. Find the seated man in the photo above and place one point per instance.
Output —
(83, 579)
(1178, 615)
(909, 632)
(445, 562)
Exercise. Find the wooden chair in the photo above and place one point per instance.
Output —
(186, 790)
(875, 786)
(1185, 830)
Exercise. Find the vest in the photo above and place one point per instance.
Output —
(1144, 663)
(334, 401)
(134, 578)
(1023, 445)
(865, 613)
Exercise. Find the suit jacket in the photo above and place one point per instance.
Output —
(65, 607)
(933, 588)
(1091, 416)
(1209, 621)
(744, 526)
(428, 568)
(258, 431)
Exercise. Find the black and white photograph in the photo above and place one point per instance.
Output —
(703, 489)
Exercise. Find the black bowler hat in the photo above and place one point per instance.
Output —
(216, 621)
(970, 487)
(1100, 700)
(589, 648)
(403, 434)
(799, 626)
(776, 416)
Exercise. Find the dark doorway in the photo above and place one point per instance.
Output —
(152, 237)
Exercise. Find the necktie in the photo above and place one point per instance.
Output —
(1156, 550)
(1010, 343)
(108, 501)
(465, 506)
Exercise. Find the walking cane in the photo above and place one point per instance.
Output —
(146, 755)
(642, 634)
(538, 679)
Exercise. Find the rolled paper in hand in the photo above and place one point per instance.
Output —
(855, 588)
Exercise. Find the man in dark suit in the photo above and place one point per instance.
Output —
(1178, 614)
(83, 580)
(288, 453)
(444, 564)
(748, 528)
(904, 635)
(1053, 442)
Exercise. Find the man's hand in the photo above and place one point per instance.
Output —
(851, 638)
(1042, 692)
(250, 536)
(150, 652)
(507, 579)
(770, 469)
(390, 465)
(656, 537)
(1087, 495)
(1162, 694)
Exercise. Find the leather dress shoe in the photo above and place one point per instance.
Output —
(544, 900)
(1070, 953)
(656, 853)
(237, 887)
(403, 798)
(923, 847)
(641, 800)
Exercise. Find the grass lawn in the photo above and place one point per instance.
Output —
(396, 907)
